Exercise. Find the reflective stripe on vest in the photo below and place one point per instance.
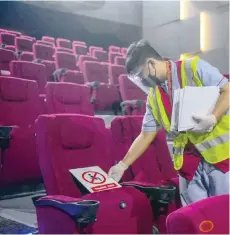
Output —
(213, 146)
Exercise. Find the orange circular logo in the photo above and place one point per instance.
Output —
(206, 226)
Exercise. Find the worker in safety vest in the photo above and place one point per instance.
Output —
(201, 155)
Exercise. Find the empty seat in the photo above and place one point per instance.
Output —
(43, 52)
(24, 44)
(114, 49)
(80, 49)
(76, 141)
(101, 55)
(82, 59)
(112, 56)
(63, 49)
(61, 42)
(134, 98)
(114, 73)
(30, 71)
(65, 60)
(20, 101)
(7, 38)
(48, 39)
(119, 60)
(72, 76)
(208, 216)
(68, 98)
(5, 57)
(103, 95)
(93, 48)
(41, 42)
(27, 56)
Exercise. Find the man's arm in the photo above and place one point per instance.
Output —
(222, 105)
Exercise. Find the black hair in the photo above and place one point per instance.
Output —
(137, 54)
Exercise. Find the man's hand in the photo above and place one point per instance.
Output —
(204, 123)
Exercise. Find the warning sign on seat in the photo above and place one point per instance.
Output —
(94, 179)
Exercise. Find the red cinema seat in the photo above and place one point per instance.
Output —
(5, 57)
(41, 42)
(65, 60)
(63, 49)
(78, 43)
(27, 56)
(82, 59)
(124, 51)
(68, 98)
(80, 49)
(114, 73)
(48, 39)
(20, 101)
(30, 71)
(7, 38)
(114, 49)
(154, 167)
(134, 99)
(112, 56)
(103, 95)
(119, 60)
(28, 37)
(66, 142)
(93, 48)
(72, 76)
(43, 52)
(18, 34)
(101, 55)
(61, 42)
(11, 48)
(208, 216)
(23, 44)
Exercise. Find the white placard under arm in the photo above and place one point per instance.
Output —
(94, 179)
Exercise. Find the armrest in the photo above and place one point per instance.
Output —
(133, 103)
(95, 84)
(84, 211)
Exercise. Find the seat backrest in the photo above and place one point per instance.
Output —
(61, 42)
(41, 42)
(50, 69)
(7, 38)
(43, 52)
(78, 43)
(63, 49)
(19, 101)
(112, 56)
(124, 51)
(27, 56)
(28, 37)
(150, 167)
(114, 49)
(101, 55)
(5, 57)
(68, 98)
(23, 44)
(65, 60)
(93, 48)
(80, 49)
(129, 91)
(94, 71)
(30, 71)
(207, 216)
(18, 34)
(83, 58)
(65, 142)
(48, 39)
(72, 76)
(10, 47)
(114, 73)
(119, 60)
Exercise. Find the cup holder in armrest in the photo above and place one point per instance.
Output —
(159, 195)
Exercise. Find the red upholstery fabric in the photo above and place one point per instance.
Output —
(68, 98)
(43, 52)
(101, 55)
(63, 49)
(114, 73)
(10, 47)
(30, 71)
(5, 57)
(114, 49)
(24, 44)
(82, 59)
(65, 60)
(72, 76)
(41, 42)
(7, 38)
(112, 56)
(208, 216)
(27, 56)
(48, 39)
(80, 49)
(119, 60)
(61, 42)
(93, 48)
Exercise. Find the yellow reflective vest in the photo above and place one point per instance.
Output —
(213, 146)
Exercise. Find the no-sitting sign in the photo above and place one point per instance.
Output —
(94, 179)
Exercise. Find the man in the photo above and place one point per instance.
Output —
(201, 155)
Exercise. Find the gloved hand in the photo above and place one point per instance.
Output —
(116, 172)
(204, 123)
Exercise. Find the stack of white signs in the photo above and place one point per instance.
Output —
(191, 101)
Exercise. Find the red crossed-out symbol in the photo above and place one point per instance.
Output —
(93, 177)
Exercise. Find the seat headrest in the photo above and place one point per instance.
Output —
(14, 89)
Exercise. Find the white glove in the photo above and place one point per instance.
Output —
(116, 172)
(204, 123)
